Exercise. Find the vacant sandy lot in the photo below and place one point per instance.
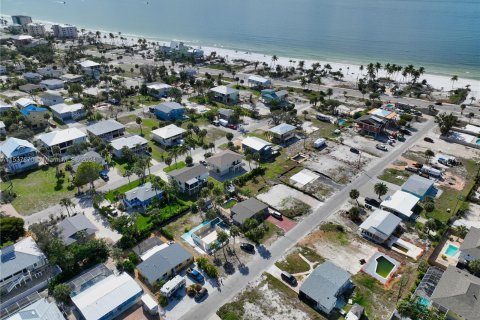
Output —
(277, 193)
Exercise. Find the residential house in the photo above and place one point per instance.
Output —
(108, 298)
(158, 90)
(22, 40)
(71, 78)
(35, 116)
(31, 87)
(226, 114)
(190, 179)
(141, 196)
(257, 145)
(18, 155)
(106, 129)
(387, 115)
(250, 208)
(324, 287)
(20, 262)
(355, 313)
(470, 248)
(32, 77)
(89, 156)
(91, 68)
(457, 294)
(135, 143)
(163, 264)
(50, 72)
(371, 124)
(3, 129)
(225, 162)
(72, 228)
(169, 111)
(64, 31)
(23, 102)
(63, 139)
(258, 82)
(207, 235)
(38, 309)
(52, 84)
(49, 98)
(282, 133)
(419, 186)
(170, 135)
(64, 112)
(379, 226)
(270, 96)
(5, 107)
(36, 29)
(401, 203)
(225, 94)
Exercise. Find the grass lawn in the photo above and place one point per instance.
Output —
(147, 127)
(127, 119)
(143, 222)
(38, 189)
(395, 176)
(175, 166)
(371, 294)
(272, 231)
(311, 255)
(335, 233)
(293, 263)
(229, 204)
(110, 195)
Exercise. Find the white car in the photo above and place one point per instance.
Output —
(381, 147)
(275, 214)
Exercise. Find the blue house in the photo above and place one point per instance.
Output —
(141, 196)
(26, 111)
(18, 155)
(35, 115)
(169, 111)
(270, 95)
(419, 186)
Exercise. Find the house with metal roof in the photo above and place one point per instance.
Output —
(257, 145)
(225, 94)
(35, 115)
(141, 196)
(91, 68)
(32, 77)
(419, 186)
(470, 248)
(401, 203)
(49, 98)
(23, 102)
(164, 263)
(89, 156)
(324, 287)
(271, 96)
(108, 298)
(71, 78)
(52, 84)
(66, 112)
(135, 143)
(457, 294)
(71, 228)
(169, 111)
(226, 114)
(30, 87)
(225, 162)
(247, 209)
(170, 135)
(371, 124)
(383, 114)
(158, 90)
(63, 139)
(106, 129)
(189, 179)
(282, 133)
(379, 226)
(18, 155)
(40, 309)
(258, 81)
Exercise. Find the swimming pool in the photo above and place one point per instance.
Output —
(424, 302)
(478, 141)
(451, 250)
(341, 122)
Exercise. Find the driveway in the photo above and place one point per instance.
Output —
(285, 224)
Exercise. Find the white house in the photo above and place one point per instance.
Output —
(50, 71)
(18, 155)
(49, 98)
(257, 81)
(23, 102)
(400, 203)
(379, 226)
(169, 135)
(135, 143)
(52, 84)
(91, 68)
(65, 112)
(158, 90)
(71, 78)
(64, 139)
(225, 94)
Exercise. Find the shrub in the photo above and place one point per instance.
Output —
(128, 266)
(132, 256)
(166, 233)
(163, 301)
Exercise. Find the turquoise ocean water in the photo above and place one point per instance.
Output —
(441, 35)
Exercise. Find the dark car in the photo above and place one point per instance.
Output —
(372, 202)
(195, 275)
(250, 248)
(428, 139)
(232, 126)
(204, 162)
(354, 150)
(201, 294)
(104, 175)
(288, 278)
(405, 132)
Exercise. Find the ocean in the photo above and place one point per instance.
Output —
(441, 35)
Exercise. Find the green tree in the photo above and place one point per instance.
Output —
(234, 232)
(428, 155)
(474, 265)
(354, 194)
(446, 122)
(380, 189)
(139, 121)
(87, 173)
(66, 203)
(61, 293)
(188, 160)
(222, 238)
(11, 228)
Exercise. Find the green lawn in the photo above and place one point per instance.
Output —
(143, 222)
(175, 166)
(38, 189)
(293, 263)
(272, 230)
(395, 176)
(110, 195)
(147, 126)
(370, 294)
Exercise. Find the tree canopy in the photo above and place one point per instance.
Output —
(11, 228)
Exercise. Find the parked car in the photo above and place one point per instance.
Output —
(232, 126)
(204, 162)
(216, 123)
(104, 175)
(418, 165)
(195, 275)
(428, 139)
(381, 147)
(405, 132)
(372, 202)
(275, 214)
(288, 278)
(354, 150)
(201, 294)
(411, 169)
(247, 247)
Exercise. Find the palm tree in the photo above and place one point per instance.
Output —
(274, 59)
(128, 174)
(453, 79)
(429, 154)
(222, 237)
(354, 194)
(139, 121)
(234, 232)
(67, 203)
(380, 189)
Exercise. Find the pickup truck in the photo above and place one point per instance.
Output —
(195, 275)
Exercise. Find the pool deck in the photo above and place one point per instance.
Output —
(445, 260)
(371, 266)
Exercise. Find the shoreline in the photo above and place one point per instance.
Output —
(439, 81)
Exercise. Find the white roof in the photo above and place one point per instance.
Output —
(158, 86)
(255, 78)
(56, 137)
(168, 131)
(147, 254)
(402, 202)
(223, 90)
(129, 142)
(88, 64)
(255, 143)
(171, 284)
(149, 302)
(106, 295)
(23, 102)
(472, 128)
(61, 108)
(2, 124)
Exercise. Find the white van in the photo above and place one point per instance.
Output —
(173, 285)
(223, 122)
(149, 304)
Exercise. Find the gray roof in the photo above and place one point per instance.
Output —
(51, 81)
(104, 127)
(90, 156)
(226, 112)
(163, 261)
(381, 223)
(129, 142)
(188, 173)
(458, 291)
(146, 245)
(471, 243)
(282, 128)
(19, 256)
(226, 157)
(70, 226)
(417, 185)
(247, 209)
(324, 283)
(167, 107)
(39, 310)
(142, 193)
(15, 147)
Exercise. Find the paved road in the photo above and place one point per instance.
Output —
(237, 282)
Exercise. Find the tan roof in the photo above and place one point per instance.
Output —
(223, 158)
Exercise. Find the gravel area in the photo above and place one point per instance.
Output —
(277, 193)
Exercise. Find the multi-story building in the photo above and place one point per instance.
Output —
(65, 31)
(36, 29)
(22, 20)
(18, 155)
(63, 139)
(135, 143)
